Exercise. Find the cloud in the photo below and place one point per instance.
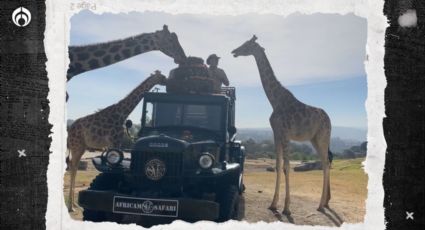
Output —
(301, 48)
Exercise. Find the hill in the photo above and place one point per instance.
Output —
(342, 137)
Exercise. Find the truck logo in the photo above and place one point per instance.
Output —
(147, 206)
(158, 145)
(155, 169)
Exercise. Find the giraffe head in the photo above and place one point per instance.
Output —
(168, 43)
(158, 78)
(248, 48)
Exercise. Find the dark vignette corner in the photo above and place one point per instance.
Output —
(404, 123)
(24, 111)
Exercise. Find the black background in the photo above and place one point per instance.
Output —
(24, 111)
(404, 130)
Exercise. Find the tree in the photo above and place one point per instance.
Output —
(348, 153)
(363, 146)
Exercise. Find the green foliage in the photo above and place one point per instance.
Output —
(302, 152)
(353, 152)
(266, 149)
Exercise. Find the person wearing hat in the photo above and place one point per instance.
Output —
(218, 75)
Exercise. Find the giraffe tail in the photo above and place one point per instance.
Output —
(330, 156)
(67, 162)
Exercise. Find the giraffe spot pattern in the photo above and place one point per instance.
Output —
(105, 46)
(146, 47)
(115, 48)
(130, 43)
(83, 56)
(107, 59)
(137, 49)
(78, 66)
(94, 63)
(92, 48)
(126, 53)
(117, 57)
(78, 49)
(99, 53)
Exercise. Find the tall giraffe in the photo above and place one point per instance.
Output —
(104, 129)
(89, 57)
(291, 120)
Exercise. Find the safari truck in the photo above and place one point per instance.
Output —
(185, 164)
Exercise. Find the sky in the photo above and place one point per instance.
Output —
(319, 58)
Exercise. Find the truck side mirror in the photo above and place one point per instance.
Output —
(128, 124)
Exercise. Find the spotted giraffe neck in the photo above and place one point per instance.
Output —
(125, 106)
(89, 57)
(275, 91)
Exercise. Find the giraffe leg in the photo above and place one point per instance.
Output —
(329, 190)
(286, 169)
(279, 153)
(75, 159)
(278, 146)
(325, 192)
(321, 144)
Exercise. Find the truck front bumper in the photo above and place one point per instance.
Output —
(174, 208)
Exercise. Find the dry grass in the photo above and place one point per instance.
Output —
(348, 186)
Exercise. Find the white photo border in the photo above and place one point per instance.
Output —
(57, 33)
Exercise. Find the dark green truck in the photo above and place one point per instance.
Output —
(185, 164)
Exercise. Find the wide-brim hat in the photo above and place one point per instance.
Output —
(212, 56)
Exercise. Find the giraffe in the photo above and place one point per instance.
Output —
(89, 57)
(104, 128)
(290, 120)
(94, 56)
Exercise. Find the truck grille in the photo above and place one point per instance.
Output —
(172, 163)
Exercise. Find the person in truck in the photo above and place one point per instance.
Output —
(218, 75)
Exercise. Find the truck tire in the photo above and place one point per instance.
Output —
(241, 186)
(229, 204)
(103, 181)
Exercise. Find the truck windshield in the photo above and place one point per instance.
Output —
(160, 114)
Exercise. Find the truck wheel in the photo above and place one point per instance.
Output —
(103, 181)
(229, 204)
(241, 186)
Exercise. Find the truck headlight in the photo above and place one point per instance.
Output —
(114, 157)
(206, 160)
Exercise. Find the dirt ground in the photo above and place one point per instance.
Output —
(348, 186)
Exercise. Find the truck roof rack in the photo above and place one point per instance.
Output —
(229, 91)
